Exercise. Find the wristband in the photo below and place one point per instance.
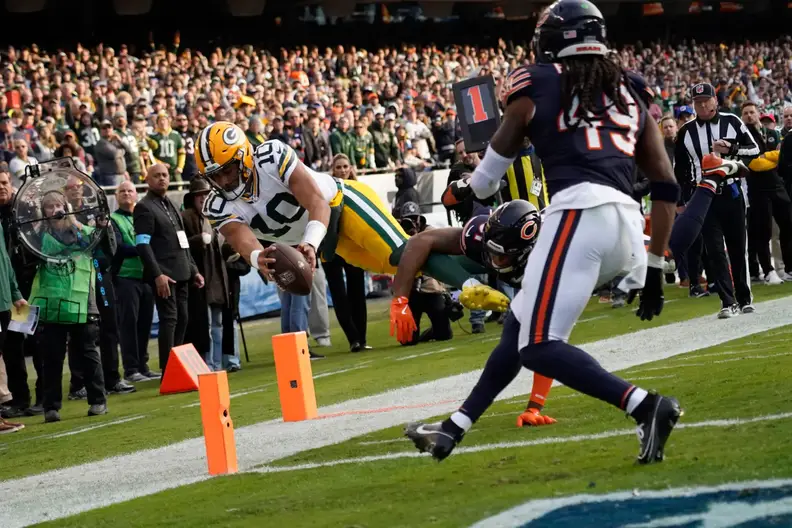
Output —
(254, 258)
(315, 232)
(664, 191)
(653, 261)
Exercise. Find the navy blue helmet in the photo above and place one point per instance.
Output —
(569, 28)
(510, 234)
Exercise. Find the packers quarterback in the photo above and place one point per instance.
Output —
(269, 194)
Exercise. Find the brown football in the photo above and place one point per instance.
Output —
(291, 271)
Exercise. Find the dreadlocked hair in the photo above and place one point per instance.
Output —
(586, 78)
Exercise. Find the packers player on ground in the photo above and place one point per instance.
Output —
(268, 194)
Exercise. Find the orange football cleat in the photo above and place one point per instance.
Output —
(532, 418)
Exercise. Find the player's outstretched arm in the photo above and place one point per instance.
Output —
(503, 148)
(417, 251)
(241, 238)
(304, 188)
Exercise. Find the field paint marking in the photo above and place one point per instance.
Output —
(524, 514)
(449, 349)
(652, 378)
(593, 318)
(521, 443)
(386, 409)
(72, 490)
(341, 371)
(252, 390)
(728, 353)
(765, 356)
(97, 426)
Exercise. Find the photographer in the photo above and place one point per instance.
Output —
(428, 295)
(68, 301)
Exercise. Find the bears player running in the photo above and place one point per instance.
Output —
(270, 195)
(499, 240)
(589, 127)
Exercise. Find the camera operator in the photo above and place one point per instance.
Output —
(68, 301)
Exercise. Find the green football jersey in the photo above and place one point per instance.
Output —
(166, 147)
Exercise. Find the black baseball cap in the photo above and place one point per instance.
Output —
(703, 90)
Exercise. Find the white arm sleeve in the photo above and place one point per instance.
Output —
(489, 173)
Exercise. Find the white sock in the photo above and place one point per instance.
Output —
(463, 422)
(635, 399)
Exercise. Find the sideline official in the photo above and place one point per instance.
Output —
(167, 263)
(724, 134)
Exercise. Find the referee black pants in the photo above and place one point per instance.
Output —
(767, 205)
(725, 222)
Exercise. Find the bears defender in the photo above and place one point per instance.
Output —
(500, 241)
(268, 194)
(589, 127)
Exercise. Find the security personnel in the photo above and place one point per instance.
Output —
(68, 306)
(135, 306)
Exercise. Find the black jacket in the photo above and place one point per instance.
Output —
(159, 219)
(407, 191)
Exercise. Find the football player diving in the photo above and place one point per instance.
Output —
(269, 194)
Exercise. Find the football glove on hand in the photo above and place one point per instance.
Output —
(714, 167)
(533, 418)
(402, 323)
(651, 302)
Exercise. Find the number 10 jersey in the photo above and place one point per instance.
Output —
(269, 207)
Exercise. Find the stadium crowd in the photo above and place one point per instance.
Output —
(347, 111)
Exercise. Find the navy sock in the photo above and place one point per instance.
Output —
(577, 370)
(688, 225)
(502, 367)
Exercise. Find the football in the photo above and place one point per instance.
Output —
(291, 271)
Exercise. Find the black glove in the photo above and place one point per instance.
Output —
(652, 299)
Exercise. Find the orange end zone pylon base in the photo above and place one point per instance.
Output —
(295, 378)
(181, 373)
(217, 425)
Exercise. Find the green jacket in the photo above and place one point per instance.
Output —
(343, 143)
(63, 294)
(131, 267)
(9, 291)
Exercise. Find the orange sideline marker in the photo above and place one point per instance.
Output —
(181, 373)
(217, 424)
(295, 379)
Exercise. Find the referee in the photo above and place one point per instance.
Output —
(726, 135)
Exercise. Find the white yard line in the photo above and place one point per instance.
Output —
(80, 488)
(597, 318)
(521, 443)
(97, 426)
(449, 349)
(682, 365)
(646, 378)
(341, 371)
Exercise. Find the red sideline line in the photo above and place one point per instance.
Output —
(384, 409)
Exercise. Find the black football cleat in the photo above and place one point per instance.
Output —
(431, 438)
(656, 427)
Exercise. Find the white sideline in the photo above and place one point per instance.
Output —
(80, 488)
(520, 443)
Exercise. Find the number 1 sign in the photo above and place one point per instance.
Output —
(477, 108)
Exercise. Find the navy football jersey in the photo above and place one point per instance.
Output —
(601, 152)
(472, 243)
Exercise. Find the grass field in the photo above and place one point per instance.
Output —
(737, 427)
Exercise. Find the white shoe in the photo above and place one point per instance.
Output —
(785, 276)
(729, 312)
(323, 342)
(748, 309)
(772, 279)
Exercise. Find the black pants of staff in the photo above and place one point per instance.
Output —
(172, 312)
(16, 347)
(135, 311)
(108, 338)
(725, 221)
(766, 206)
(84, 338)
(349, 300)
(433, 305)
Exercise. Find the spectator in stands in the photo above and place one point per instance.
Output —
(363, 146)
(278, 132)
(386, 149)
(254, 130)
(787, 122)
(167, 147)
(188, 134)
(131, 148)
(341, 140)
(135, 299)
(110, 153)
(444, 131)
(21, 161)
(317, 146)
(43, 148)
(349, 296)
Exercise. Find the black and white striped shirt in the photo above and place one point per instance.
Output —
(695, 140)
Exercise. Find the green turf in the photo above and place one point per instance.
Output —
(166, 420)
(471, 486)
